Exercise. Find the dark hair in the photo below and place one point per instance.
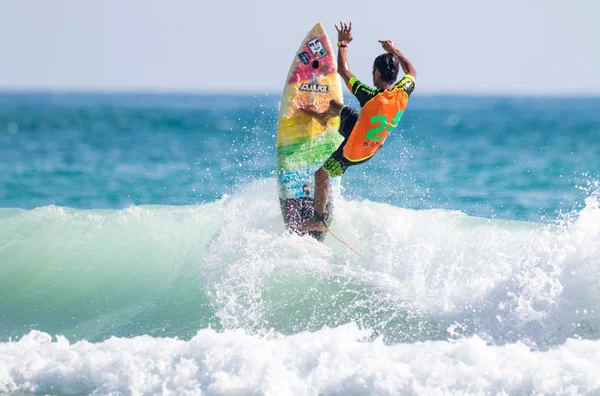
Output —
(388, 66)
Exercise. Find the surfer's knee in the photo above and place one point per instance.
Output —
(335, 106)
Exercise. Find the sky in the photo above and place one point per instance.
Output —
(538, 47)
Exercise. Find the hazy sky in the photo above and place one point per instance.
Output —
(543, 47)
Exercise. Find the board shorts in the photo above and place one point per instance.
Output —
(337, 164)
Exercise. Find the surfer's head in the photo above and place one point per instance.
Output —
(385, 70)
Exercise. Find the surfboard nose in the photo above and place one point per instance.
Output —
(319, 26)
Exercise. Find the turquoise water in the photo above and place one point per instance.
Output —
(142, 250)
(492, 157)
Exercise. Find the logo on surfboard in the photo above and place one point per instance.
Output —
(314, 86)
(317, 48)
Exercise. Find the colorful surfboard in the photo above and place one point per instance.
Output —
(303, 143)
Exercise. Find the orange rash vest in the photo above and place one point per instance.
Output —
(380, 113)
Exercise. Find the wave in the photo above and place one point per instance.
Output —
(421, 275)
(96, 273)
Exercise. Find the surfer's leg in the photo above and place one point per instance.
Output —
(334, 166)
(317, 223)
(321, 191)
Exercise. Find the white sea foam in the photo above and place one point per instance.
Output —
(502, 280)
(330, 361)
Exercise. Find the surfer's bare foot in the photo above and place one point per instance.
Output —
(311, 225)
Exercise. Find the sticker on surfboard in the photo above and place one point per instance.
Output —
(304, 57)
(316, 48)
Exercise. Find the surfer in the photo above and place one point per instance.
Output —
(364, 134)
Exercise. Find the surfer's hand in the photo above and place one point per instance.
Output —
(388, 46)
(311, 109)
(344, 31)
(321, 116)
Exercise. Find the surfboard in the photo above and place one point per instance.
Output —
(303, 143)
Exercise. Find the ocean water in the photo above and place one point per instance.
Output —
(142, 251)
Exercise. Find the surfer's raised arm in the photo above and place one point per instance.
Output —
(407, 67)
(344, 38)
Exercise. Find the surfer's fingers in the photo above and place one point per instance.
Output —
(336, 28)
(386, 44)
(350, 27)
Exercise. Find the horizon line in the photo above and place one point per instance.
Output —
(150, 91)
